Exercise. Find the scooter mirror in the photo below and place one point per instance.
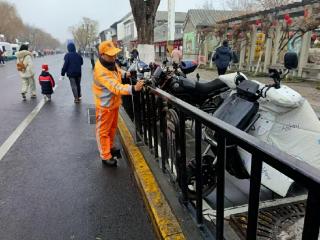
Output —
(290, 60)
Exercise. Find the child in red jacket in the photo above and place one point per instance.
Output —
(47, 82)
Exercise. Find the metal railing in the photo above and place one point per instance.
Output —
(151, 109)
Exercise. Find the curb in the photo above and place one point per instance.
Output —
(164, 221)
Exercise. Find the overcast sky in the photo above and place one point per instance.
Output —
(55, 16)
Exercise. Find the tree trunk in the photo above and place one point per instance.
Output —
(144, 13)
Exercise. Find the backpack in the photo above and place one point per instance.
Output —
(20, 66)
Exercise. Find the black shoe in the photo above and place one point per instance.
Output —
(115, 152)
(24, 98)
(110, 163)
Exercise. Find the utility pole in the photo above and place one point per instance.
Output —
(171, 19)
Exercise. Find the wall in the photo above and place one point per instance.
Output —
(120, 31)
(190, 46)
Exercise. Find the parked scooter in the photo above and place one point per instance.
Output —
(273, 113)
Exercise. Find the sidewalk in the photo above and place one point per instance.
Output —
(53, 185)
(307, 88)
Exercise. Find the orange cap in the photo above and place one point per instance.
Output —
(108, 48)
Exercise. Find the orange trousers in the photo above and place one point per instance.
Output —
(106, 127)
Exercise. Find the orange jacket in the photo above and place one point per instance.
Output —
(108, 88)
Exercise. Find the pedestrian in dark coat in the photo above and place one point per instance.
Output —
(91, 55)
(47, 82)
(72, 67)
(222, 57)
(2, 57)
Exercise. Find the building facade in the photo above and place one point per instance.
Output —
(200, 47)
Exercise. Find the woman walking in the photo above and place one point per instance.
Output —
(72, 66)
(25, 68)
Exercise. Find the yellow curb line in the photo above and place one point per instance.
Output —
(165, 223)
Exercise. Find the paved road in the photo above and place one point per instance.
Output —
(52, 183)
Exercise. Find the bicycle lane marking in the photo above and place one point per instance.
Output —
(5, 147)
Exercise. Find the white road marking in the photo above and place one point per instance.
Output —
(12, 75)
(5, 147)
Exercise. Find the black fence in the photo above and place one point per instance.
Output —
(158, 114)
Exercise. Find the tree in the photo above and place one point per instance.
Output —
(266, 4)
(144, 13)
(11, 24)
(207, 5)
(254, 5)
(85, 33)
(242, 5)
(37, 38)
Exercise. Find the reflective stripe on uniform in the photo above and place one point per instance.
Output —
(116, 85)
(105, 96)
(98, 127)
(108, 88)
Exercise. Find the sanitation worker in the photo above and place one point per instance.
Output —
(107, 91)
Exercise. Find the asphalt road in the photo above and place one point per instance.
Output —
(52, 183)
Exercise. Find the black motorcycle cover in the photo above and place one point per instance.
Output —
(237, 111)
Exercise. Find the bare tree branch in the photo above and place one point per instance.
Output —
(12, 26)
(85, 32)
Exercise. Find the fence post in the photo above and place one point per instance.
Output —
(312, 219)
(163, 134)
(137, 116)
(154, 123)
(149, 118)
(144, 120)
(221, 166)
(198, 172)
(254, 197)
(182, 160)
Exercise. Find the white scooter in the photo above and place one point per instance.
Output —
(277, 115)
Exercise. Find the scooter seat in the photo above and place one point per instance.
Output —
(208, 87)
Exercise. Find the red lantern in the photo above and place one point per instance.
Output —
(289, 21)
(258, 22)
(286, 17)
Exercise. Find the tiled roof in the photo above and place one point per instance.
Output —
(202, 17)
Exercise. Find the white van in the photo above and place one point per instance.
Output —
(15, 48)
(7, 49)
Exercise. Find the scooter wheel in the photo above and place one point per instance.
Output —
(209, 179)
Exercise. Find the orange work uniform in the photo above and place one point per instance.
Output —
(107, 89)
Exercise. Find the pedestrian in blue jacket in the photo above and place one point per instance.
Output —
(222, 57)
(72, 66)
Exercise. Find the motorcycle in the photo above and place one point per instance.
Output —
(204, 95)
(275, 114)
(137, 69)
